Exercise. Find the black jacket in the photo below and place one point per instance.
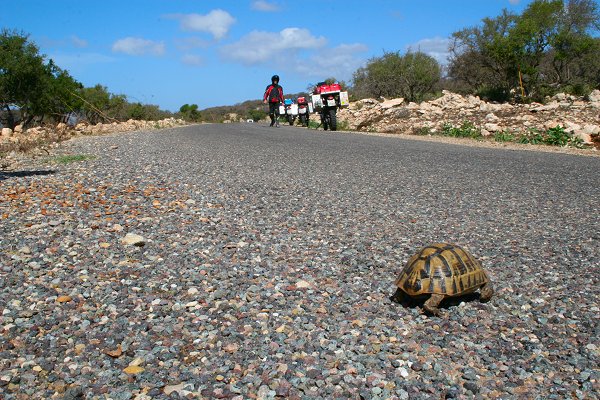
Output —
(273, 93)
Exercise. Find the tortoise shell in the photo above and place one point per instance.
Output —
(441, 268)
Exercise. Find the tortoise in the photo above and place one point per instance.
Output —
(442, 270)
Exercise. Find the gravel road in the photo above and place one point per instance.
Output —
(264, 263)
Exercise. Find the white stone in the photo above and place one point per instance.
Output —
(586, 138)
(595, 96)
(560, 96)
(485, 107)
(474, 101)
(547, 107)
(302, 284)
(492, 127)
(591, 129)
(551, 124)
(133, 239)
(392, 103)
(7, 132)
(572, 126)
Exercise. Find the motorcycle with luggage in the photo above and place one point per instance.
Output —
(291, 111)
(326, 99)
(304, 110)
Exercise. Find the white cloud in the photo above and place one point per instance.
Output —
(262, 5)
(193, 60)
(138, 47)
(436, 47)
(514, 1)
(339, 62)
(191, 43)
(297, 51)
(259, 47)
(78, 42)
(75, 63)
(72, 41)
(216, 22)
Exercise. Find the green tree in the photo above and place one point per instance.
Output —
(99, 105)
(575, 60)
(412, 76)
(118, 107)
(136, 111)
(189, 112)
(22, 73)
(96, 102)
(257, 114)
(548, 47)
(482, 57)
(30, 84)
(57, 97)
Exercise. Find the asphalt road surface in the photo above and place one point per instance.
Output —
(267, 259)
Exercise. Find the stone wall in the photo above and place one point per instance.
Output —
(62, 131)
(578, 116)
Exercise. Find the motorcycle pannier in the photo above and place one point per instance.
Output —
(344, 101)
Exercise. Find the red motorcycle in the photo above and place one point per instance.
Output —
(304, 110)
(326, 100)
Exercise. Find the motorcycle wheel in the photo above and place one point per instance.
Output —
(325, 120)
(291, 120)
(303, 120)
(333, 119)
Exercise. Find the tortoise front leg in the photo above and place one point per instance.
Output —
(486, 292)
(431, 305)
(398, 296)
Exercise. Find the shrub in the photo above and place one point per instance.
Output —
(422, 131)
(557, 136)
(312, 124)
(256, 115)
(504, 136)
(467, 129)
(531, 137)
(343, 125)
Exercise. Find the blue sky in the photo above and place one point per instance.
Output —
(211, 53)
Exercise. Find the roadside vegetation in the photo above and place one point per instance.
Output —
(71, 158)
(34, 90)
(556, 136)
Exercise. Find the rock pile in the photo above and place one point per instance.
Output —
(578, 116)
(51, 133)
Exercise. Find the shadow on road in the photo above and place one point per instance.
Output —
(409, 302)
(20, 174)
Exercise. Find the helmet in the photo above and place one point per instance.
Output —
(275, 78)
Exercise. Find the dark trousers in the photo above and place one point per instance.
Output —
(273, 110)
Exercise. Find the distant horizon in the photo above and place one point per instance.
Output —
(221, 53)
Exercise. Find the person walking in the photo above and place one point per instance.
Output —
(274, 97)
